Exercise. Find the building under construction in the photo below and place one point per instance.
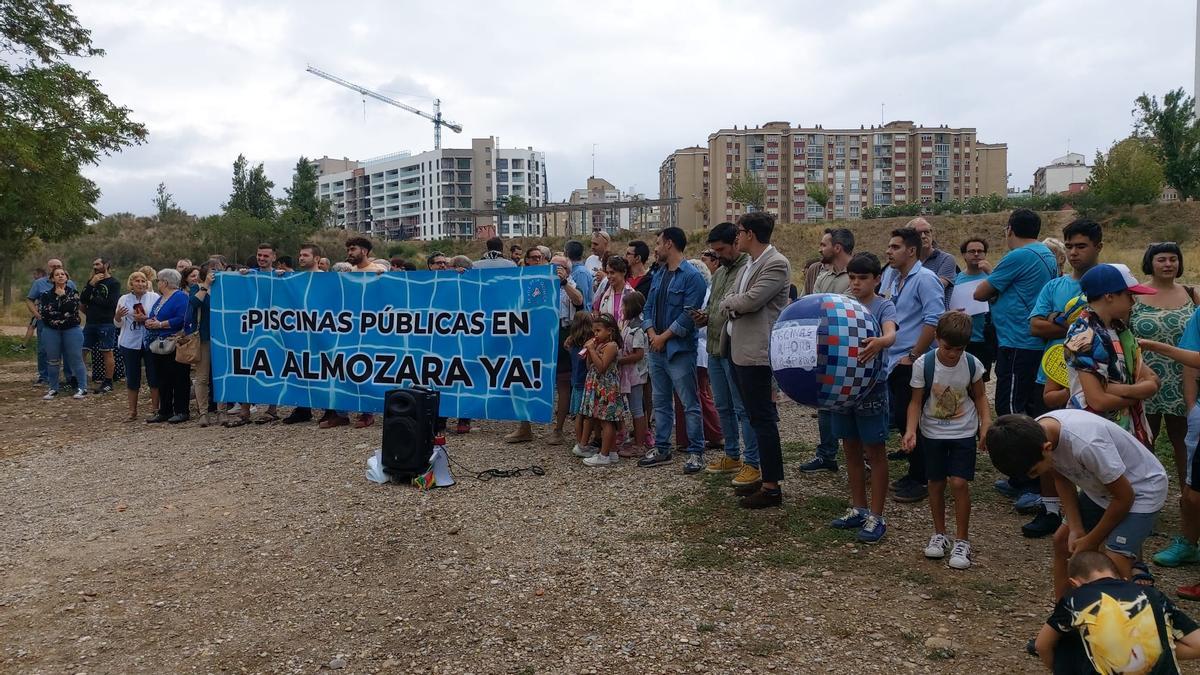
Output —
(432, 195)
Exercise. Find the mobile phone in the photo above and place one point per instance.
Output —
(138, 309)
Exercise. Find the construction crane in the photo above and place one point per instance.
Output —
(436, 117)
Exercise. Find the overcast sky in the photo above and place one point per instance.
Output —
(212, 78)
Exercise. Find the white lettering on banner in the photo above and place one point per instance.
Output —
(794, 347)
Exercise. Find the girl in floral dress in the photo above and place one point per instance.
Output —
(602, 400)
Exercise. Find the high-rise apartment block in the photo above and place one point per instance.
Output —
(404, 196)
(895, 163)
(684, 175)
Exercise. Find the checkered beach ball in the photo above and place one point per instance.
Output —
(814, 351)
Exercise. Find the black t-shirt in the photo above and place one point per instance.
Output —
(100, 301)
(1116, 626)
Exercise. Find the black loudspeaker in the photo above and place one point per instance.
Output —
(409, 421)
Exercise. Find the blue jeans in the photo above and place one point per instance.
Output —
(828, 447)
(65, 344)
(675, 376)
(731, 411)
(43, 370)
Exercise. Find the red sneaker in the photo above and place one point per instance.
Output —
(334, 420)
(1189, 592)
(462, 428)
(365, 420)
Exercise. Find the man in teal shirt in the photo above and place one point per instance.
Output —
(1012, 288)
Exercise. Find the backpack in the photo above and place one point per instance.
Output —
(930, 361)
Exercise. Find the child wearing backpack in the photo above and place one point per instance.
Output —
(949, 409)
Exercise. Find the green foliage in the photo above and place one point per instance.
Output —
(818, 194)
(516, 206)
(1130, 174)
(908, 209)
(1088, 204)
(1172, 132)
(55, 120)
(302, 196)
(164, 204)
(748, 189)
(871, 212)
(251, 191)
(948, 206)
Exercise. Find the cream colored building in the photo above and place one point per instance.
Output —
(406, 196)
(895, 163)
(684, 174)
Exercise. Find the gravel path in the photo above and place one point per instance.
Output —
(136, 548)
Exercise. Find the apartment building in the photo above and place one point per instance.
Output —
(406, 196)
(895, 163)
(598, 191)
(684, 174)
(1068, 173)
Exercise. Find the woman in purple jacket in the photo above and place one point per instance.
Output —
(167, 318)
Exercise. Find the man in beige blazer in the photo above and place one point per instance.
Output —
(759, 294)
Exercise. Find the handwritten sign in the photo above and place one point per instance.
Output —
(794, 346)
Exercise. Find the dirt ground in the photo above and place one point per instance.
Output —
(137, 548)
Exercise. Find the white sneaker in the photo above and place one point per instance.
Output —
(50, 395)
(960, 557)
(583, 451)
(602, 460)
(938, 547)
(79, 393)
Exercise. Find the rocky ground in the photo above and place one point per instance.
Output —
(136, 548)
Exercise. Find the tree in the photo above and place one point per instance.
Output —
(302, 195)
(251, 191)
(749, 189)
(164, 203)
(818, 193)
(1130, 174)
(258, 193)
(1172, 132)
(55, 120)
(517, 206)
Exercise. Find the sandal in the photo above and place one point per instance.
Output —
(236, 422)
(1141, 574)
(132, 417)
(267, 418)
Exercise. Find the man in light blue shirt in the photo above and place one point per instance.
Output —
(1012, 288)
(920, 301)
(580, 274)
(1047, 320)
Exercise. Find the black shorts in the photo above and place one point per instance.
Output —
(948, 457)
(563, 367)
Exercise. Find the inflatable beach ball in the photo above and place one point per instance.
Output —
(814, 351)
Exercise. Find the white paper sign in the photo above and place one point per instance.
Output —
(794, 347)
(962, 298)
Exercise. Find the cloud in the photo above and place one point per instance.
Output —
(215, 77)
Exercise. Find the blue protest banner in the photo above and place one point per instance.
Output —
(486, 339)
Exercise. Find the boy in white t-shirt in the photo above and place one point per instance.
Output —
(945, 423)
(1111, 486)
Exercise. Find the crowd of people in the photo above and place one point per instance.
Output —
(662, 353)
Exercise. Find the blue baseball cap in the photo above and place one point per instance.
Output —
(1104, 279)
